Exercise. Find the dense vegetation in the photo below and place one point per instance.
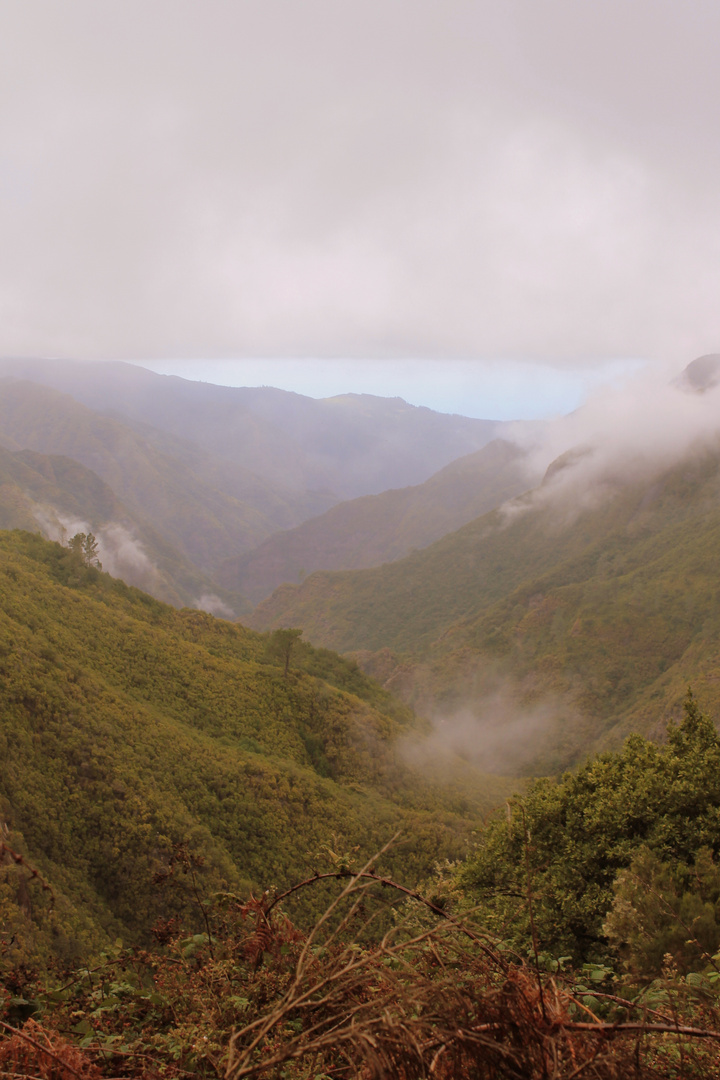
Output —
(236, 989)
(128, 728)
(168, 779)
(645, 809)
(605, 612)
(180, 799)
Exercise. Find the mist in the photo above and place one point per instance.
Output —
(120, 553)
(492, 727)
(214, 605)
(629, 431)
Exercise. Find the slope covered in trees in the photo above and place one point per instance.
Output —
(580, 938)
(605, 610)
(129, 729)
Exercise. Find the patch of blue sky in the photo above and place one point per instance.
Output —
(489, 389)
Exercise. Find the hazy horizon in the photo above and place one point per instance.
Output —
(484, 390)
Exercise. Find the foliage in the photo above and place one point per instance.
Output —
(666, 909)
(604, 606)
(127, 727)
(564, 843)
(254, 995)
(281, 646)
(85, 547)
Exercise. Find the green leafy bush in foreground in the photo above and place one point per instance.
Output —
(564, 844)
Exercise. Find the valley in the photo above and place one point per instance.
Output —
(269, 687)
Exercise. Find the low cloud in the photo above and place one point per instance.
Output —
(214, 606)
(493, 732)
(120, 553)
(123, 556)
(333, 179)
(626, 432)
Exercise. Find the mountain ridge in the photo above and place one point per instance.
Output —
(350, 445)
(375, 529)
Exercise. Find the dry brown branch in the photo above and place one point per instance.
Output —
(424, 1003)
(44, 1050)
(20, 860)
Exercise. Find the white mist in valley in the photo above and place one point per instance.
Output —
(214, 605)
(495, 730)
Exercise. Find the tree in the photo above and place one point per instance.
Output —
(85, 546)
(566, 841)
(281, 645)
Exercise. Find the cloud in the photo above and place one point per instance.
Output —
(492, 730)
(632, 430)
(325, 179)
(214, 606)
(123, 556)
(120, 553)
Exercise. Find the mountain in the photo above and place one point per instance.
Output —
(346, 446)
(130, 731)
(159, 478)
(574, 615)
(214, 471)
(59, 497)
(374, 529)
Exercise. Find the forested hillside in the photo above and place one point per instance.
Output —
(131, 730)
(60, 497)
(580, 937)
(162, 479)
(603, 610)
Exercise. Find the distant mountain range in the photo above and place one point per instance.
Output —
(479, 590)
(346, 446)
(213, 471)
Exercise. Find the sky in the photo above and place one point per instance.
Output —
(488, 206)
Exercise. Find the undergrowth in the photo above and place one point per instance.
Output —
(386, 983)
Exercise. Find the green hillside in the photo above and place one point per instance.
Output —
(605, 613)
(381, 528)
(128, 728)
(58, 497)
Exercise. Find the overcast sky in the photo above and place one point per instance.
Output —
(528, 187)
